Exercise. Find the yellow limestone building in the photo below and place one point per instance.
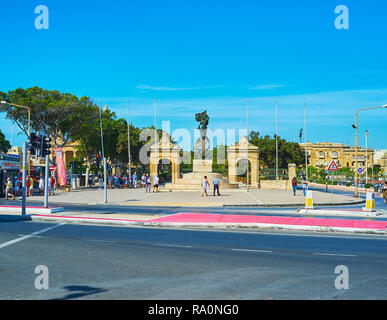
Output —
(322, 153)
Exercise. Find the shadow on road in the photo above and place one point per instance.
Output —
(80, 291)
(13, 218)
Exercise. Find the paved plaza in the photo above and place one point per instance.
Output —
(240, 197)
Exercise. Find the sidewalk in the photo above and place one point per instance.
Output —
(228, 198)
(208, 220)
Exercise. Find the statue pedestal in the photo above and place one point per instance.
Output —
(204, 166)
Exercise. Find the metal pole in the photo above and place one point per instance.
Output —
(129, 164)
(45, 205)
(306, 153)
(356, 193)
(100, 124)
(104, 180)
(366, 156)
(247, 127)
(276, 145)
(24, 178)
(156, 144)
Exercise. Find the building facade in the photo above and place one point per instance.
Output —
(320, 155)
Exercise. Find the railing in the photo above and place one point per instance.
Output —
(270, 174)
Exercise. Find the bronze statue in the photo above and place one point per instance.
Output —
(203, 120)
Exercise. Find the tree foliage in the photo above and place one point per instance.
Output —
(288, 152)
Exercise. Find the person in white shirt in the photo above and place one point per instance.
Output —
(41, 185)
(156, 183)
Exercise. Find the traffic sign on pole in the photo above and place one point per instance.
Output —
(333, 166)
(360, 170)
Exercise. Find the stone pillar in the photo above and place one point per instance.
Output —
(291, 172)
(254, 175)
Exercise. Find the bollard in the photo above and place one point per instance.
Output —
(309, 200)
(370, 202)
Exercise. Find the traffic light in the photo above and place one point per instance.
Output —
(98, 160)
(45, 146)
(33, 143)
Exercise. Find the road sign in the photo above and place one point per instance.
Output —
(326, 171)
(52, 168)
(360, 170)
(333, 166)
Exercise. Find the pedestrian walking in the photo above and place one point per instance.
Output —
(304, 185)
(294, 185)
(147, 184)
(205, 183)
(41, 185)
(215, 182)
(8, 189)
(16, 187)
(143, 180)
(28, 185)
(52, 186)
(384, 191)
(156, 183)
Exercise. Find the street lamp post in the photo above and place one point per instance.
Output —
(366, 159)
(356, 160)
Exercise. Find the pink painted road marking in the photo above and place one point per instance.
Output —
(236, 219)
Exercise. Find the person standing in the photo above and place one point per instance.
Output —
(147, 184)
(41, 185)
(135, 180)
(116, 182)
(143, 180)
(294, 185)
(304, 185)
(156, 183)
(215, 182)
(205, 183)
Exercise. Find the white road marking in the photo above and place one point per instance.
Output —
(95, 240)
(172, 245)
(254, 198)
(335, 254)
(8, 243)
(252, 250)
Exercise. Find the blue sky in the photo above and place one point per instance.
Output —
(213, 55)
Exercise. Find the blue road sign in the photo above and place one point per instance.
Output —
(360, 170)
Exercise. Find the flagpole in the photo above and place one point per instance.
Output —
(306, 153)
(276, 145)
(247, 127)
(129, 164)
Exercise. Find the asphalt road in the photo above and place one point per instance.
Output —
(100, 262)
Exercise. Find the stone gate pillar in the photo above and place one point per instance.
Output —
(243, 150)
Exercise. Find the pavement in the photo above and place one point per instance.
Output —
(228, 198)
(349, 224)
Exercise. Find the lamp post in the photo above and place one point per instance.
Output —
(29, 125)
(366, 159)
(355, 127)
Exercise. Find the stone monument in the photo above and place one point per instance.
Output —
(202, 163)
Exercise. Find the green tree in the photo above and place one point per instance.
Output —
(288, 152)
(57, 114)
(4, 143)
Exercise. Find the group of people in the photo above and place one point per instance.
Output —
(13, 187)
(305, 187)
(304, 184)
(205, 183)
(131, 181)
